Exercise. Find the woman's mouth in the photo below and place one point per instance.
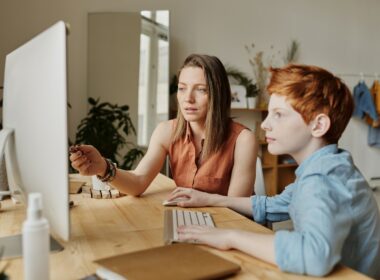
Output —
(190, 110)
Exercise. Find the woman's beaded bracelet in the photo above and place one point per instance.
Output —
(110, 172)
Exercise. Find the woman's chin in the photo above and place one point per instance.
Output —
(192, 118)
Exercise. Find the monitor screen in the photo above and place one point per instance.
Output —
(35, 110)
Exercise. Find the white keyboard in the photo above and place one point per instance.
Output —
(174, 218)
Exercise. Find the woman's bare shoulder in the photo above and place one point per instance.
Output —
(163, 133)
(167, 126)
(246, 137)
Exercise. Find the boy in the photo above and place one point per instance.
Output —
(335, 217)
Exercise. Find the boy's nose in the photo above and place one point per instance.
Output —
(265, 124)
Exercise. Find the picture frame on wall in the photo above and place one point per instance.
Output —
(238, 94)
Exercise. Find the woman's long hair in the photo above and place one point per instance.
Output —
(219, 103)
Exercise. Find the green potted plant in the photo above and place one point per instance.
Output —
(106, 127)
(242, 79)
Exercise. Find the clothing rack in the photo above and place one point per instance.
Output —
(361, 75)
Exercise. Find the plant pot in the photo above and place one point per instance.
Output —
(251, 102)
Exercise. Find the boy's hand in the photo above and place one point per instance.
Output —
(214, 237)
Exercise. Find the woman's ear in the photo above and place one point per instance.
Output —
(320, 125)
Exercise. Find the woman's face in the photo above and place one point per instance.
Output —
(192, 94)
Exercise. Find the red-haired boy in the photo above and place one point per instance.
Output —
(335, 216)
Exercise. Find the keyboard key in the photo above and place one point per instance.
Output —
(200, 218)
(187, 218)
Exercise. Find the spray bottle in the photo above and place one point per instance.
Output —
(35, 241)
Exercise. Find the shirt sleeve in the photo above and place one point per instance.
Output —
(322, 223)
(273, 209)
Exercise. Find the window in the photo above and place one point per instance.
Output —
(154, 73)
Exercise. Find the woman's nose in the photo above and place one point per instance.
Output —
(189, 95)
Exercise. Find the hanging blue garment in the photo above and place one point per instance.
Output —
(374, 137)
(364, 102)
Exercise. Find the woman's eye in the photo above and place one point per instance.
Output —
(181, 89)
(277, 115)
(201, 90)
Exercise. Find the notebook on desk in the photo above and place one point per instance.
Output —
(176, 261)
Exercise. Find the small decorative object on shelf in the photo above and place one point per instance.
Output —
(251, 102)
(260, 72)
(260, 65)
(238, 96)
(250, 92)
(288, 160)
(292, 53)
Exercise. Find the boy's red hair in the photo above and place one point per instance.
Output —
(312, 90)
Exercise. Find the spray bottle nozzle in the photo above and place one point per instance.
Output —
(34, 206)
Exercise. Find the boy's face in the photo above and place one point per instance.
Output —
(285, 130)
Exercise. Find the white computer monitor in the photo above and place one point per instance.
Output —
(35, 124)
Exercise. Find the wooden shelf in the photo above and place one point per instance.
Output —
(287, 165)
(259, 110)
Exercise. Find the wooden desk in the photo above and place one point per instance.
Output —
(105, 227)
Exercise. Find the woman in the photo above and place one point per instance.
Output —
(207, 150)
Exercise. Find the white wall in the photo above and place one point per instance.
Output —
(113, 49)
(341, 36)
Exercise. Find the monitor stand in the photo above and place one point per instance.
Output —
(11, 246)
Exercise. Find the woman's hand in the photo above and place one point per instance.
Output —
(194, 197)
(214, 237)
(87, 160)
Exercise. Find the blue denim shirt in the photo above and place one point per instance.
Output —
(334, 214)
(364, 103)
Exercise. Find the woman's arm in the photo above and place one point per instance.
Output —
(137, 181)
(88, 161)
(244, 169)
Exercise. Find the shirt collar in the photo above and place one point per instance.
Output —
(189, 135)
(329, 149)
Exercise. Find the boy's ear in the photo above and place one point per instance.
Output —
(320, 125)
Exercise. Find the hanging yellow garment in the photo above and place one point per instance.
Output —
(375, 93)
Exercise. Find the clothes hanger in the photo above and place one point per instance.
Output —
(361, 74)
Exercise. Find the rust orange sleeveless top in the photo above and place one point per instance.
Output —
(213, 175)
